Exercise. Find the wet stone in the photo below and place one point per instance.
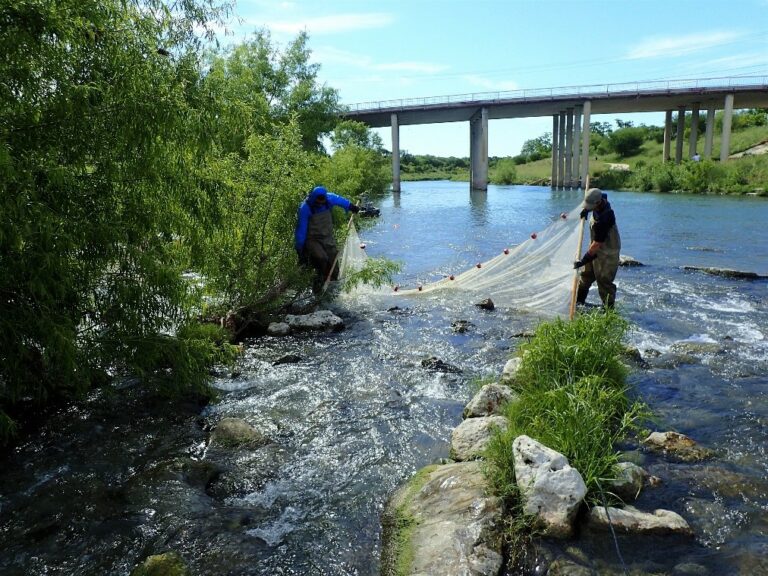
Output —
(434, 363)
(678, 445)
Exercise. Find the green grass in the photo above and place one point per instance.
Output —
(573, 398)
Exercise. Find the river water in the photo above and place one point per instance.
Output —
(110, 481)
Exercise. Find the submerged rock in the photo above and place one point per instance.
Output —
(678, 445)
(488, 401)
(631, 520)
(470, 438)
(628, 261)
(552, 490)
(320, 320)
(629, 481)
(443, 522)
(167, 564)
(725, 272)
(434, 363)
(288, 359)
(461, 326)
(237, 433)
(486, 304)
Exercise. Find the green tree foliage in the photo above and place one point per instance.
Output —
(257, 84)
(504, 172)
(358, 167)
(99, 158)
(627, 141)
(537, 148)
(249, 259)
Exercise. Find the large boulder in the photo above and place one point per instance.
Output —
(321, 320)
(470, 438)
(631, 520)
(552, 490)
(443, 522)
(488, 401)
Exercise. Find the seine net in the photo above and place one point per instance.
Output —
(536, 275)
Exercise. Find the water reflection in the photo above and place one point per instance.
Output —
(478, 201)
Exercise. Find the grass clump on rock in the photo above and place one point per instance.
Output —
(573, 398)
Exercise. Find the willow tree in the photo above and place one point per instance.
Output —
(103, 132)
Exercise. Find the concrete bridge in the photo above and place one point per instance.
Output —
(571, 108)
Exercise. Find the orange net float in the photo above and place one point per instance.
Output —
(563, 215)
(451, 277)
(362, 246)
(419, 287)
(534, 236)
(479, 265)
(506, 250)
(396, 288)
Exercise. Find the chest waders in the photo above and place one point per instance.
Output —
(320, 246)
(602, 269)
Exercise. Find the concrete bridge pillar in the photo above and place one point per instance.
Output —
(667, 135)
(577, 147)
(569, 147)
(555, 152)
(709, 134)
(478, 150)
(585, 143)
(395, 154)
(725, 138)
(694, 134)
(680, 134)
(561, 152)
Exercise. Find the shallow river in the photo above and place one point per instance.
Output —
(108, 482)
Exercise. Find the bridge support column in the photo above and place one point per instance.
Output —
(569, 147)
(478, 150)
(395, 154)
(725, 137)
(585, 143)
(561, 152)
(555, 151)
(709, 134)
(667, 135)
(694, 134)
(680, 134)
(577, 147)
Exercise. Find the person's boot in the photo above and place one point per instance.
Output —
(581, 295)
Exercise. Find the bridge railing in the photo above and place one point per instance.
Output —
(565, 91)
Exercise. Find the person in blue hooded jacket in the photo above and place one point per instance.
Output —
(315, 243)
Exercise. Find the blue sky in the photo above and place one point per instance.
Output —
(388, 50)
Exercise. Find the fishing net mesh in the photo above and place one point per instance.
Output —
(536, 275)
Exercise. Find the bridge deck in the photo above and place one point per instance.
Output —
(749, 92)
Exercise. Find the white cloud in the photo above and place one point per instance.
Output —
(680, 45)
(330, 24)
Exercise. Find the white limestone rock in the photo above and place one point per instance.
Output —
(631, 520)
(488, 401)
(320, 320)
(551, 488)
(470, 438)
(278, 329)
(446, 522)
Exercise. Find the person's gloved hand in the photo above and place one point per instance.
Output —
(586, 259)
(584, 213)
(354, 208)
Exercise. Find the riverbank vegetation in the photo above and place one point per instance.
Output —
(572, 397)
(628, 157)
(151, 180)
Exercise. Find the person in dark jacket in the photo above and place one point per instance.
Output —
(601, 260)
(314, 240)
